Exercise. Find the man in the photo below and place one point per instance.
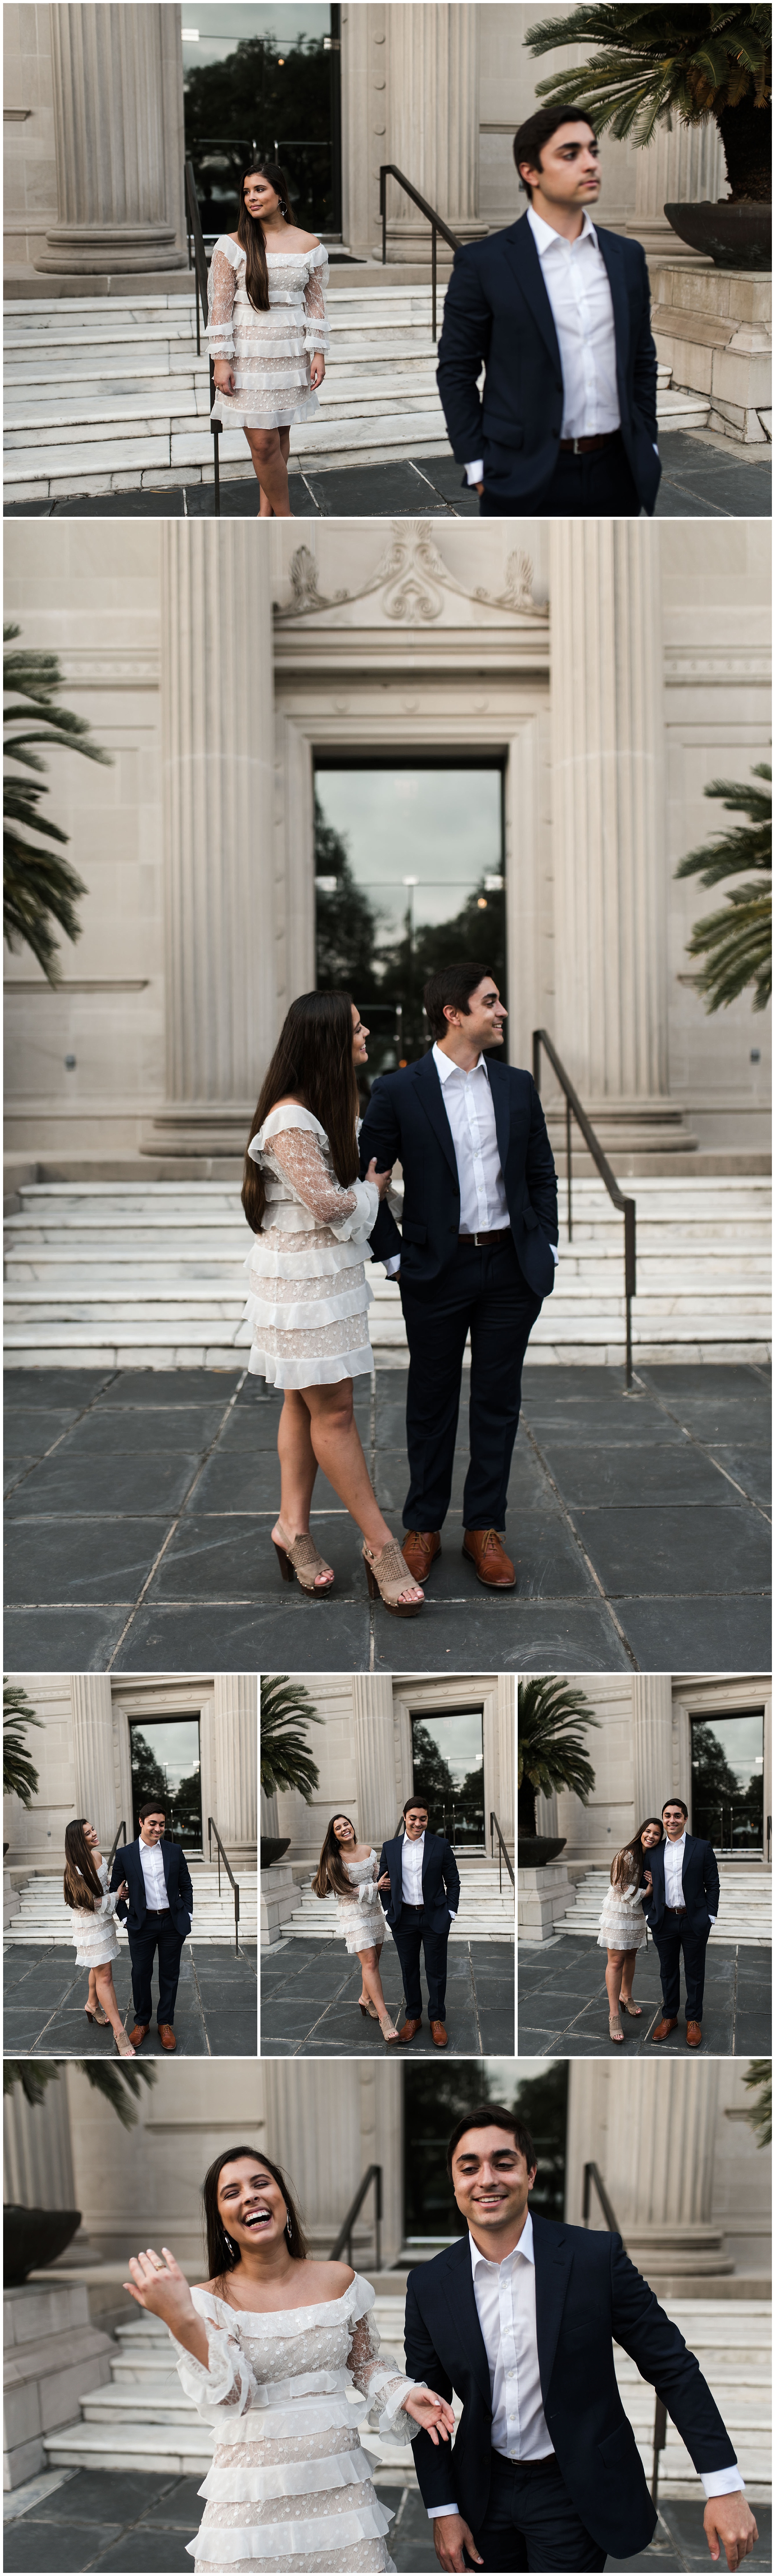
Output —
(680, 1908)
(558, 314)
(420, 1894)
(158, 1917)
(475, 1253)
(519, 2318)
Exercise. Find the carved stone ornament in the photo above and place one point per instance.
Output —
(412, 586)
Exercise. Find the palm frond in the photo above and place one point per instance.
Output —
(551, 1753)
(736, 942)
(39, 889)
(20, 1778)
(286, 1762)
(113, 2082)
(758, 2078)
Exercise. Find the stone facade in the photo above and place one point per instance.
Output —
(83, 1761)
(642, 1754)
(215, 661)
(363, 1753)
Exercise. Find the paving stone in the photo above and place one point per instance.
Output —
(667, 1549)
(750, 1467)
(309, 1994)
(67, 1390)
(63, 1640)
(112, 1431)
(237, 1639)
(697, 1634)
(563, 2008)
(72, 1481)
(78, 1559)
(698, 479)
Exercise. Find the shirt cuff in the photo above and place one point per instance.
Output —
(434, 2510)
(474, 474)
(555, 1253)
(723, 2482)
(452, 1914)
(392, 1265)
(712, 1918)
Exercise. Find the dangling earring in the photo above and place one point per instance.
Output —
(288, 2227)
(229, 2242)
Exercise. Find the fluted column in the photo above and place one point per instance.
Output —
(432, 76)
(95, 1779)
(652, 1752)
(610, 862)
(375, 1768)
(676, 168)
(235, 1729)
(505, 1696)
(651, 2132)
(118, 118)
(37, 2150)
(218, 756)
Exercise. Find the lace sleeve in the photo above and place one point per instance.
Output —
(228, 2379)
(382, 2383)
(316, 334)
(220, 305)
(349, 1213)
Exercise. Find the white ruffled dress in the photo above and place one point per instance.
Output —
(309, 1298)
(360, 1918)
(269, 352)
(289, 2489)
(95, 1934)
(622, 1922)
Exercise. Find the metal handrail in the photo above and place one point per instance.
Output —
(223, 1856)
(114, 1846)
(627, 1206)
(593, 2175)
(373, 2175)
(501, 1852)
(387, 170)
(194, 234)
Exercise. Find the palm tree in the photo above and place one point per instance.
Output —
(694, 63)
(113, 2082)
(20, 1778)
(286, 1707)
(38, 887)
(737, 942)
(759, 2078)
(550, 1754)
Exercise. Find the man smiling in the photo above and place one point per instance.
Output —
(158, 1919)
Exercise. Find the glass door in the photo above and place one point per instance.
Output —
(728, 1784)
(435, 2098)
(448, 1774)
(164, 1755)
(264, 81)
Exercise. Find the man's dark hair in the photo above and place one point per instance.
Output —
(676, 1802)
(453, 985)
(493, 2115)
(538, 130)
(150, 1807)
(415, 1802)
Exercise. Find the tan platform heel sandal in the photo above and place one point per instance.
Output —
(388, 2029)
(387, 1574)
(299, 1557)
(127, 2050)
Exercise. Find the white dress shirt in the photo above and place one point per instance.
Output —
(152, 1867)
(470, 1109)
(576, 281)
(505, 2295)
(412, 1854)
(674, 1862)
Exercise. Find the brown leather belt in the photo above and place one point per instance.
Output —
(584, 446)
(678, 1910)
(495, 1234)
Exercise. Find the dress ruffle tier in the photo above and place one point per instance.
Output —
(269, 352)
(308, 1296)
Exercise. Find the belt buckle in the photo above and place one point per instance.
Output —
(577, 448)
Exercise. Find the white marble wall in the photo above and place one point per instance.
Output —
(82, 1758)
(641, 1753)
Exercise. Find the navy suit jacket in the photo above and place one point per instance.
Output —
(700, 1879)
(406, 1122)
(588, 2294)
(440, 1881)
(128, 1865)
(497, 313)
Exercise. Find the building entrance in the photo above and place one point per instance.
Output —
(264, 81)
(448, 1773)
(728, 1784)
(165, 1763)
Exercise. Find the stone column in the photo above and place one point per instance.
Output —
(37, 2150)
(433, 122)
(610, 858)
(651, 2133)
(505, 1714)
(375, 1769)
(95, 1779)
(676, 168)
(118, 111)
(218, 758)
(235, 1729)
(652, 1723)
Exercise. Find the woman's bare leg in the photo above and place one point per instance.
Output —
(372, 1984)
(628, 1972)
(107, 1996)
(92, 1998)
(270, 464)
(298, 1469)
(336, 1444)
(613, 1978)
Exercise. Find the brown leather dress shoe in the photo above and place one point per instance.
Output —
(489, 1559)
(167, 2035)
(439, 2035)
(694, 2034)
(407, 2031)
(139, 2033)
(663, 2027)
(419, 1548)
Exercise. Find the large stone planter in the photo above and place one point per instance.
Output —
(53, 2356)
(279, 1900)
(534, 1850)
(33, 2238)
(713, 329)
(543, 1896)
(733, 236)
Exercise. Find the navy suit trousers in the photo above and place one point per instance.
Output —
(411, 1935)
(163, 1937)
(596, 486)
(669, 1941)
(483, 1291)
(531, 2522)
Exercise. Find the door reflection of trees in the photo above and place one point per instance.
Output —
(386, 975)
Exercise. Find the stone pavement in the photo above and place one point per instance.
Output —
(309, 1992)
(563, 2007)
(216, 2012)
(702, 476)
(140, 1502)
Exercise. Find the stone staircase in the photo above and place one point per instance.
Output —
(486, 1912)
(41, 1916)
(745, 1908)
(142, 2420)
(148, 1274)
(107, 394)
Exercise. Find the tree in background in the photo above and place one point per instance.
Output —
(148, 1778)
(736, 943)
(758, 2078)
(550, 1753)
(38, 887)
(113, 2082)
(346, 922)
(20, 1778)
(286, 1763)
(542, 2101)
(431, 1777)
(697, 64)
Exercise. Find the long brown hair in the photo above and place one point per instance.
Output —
(81, 1884)
(251, 233)
(331, 1874)
(631, 1861)
(222, 2256)
(313, 1057)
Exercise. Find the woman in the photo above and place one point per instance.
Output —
(347, 1870)
(91, 1910)
(267, 328)
(270, 2349)
(309, 1301)
(623, 1928)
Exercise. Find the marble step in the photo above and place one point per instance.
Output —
(41, 1916)
(745, 1909)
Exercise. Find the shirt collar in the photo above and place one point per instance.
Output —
(675, 1847)
(445, 1064)
(414, 1842)
(544, 235)
(481, 2261)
